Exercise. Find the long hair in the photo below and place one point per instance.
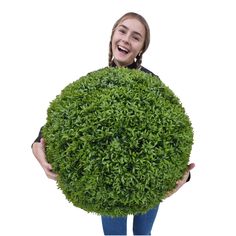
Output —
(141, 19)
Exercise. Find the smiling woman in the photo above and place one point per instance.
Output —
(130, 38)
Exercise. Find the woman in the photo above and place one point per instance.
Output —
(130, 38)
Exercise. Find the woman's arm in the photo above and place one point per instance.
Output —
(182, 181)
(38, 149)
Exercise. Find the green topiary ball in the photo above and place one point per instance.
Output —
(119, 140)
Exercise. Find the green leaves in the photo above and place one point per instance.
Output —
(119, 140)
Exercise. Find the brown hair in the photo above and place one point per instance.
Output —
(146, 41)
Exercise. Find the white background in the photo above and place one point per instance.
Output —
(44, 45)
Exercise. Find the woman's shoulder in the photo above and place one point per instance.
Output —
(144, 69)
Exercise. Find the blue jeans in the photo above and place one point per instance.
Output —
(142, 223)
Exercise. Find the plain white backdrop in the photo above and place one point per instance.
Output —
(44, 45)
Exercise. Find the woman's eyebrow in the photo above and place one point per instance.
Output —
(135, 32)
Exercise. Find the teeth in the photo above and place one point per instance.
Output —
(123, 49)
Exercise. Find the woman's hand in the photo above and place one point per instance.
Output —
(39, 152)
(182, 181)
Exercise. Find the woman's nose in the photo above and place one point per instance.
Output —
(126, 39)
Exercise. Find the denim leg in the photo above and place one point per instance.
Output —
(142, 223)
(114, 225)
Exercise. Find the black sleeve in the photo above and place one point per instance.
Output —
(37, 140)
(189, 177)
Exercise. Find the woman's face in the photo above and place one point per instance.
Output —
(127, 41)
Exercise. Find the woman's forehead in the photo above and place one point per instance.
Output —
(133, 25)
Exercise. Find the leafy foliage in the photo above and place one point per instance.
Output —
(119, 140)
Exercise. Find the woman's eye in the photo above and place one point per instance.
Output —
(136, 38)
(122, 31)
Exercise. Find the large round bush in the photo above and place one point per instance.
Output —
(119, 140)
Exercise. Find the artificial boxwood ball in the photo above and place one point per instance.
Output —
(119, 140)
